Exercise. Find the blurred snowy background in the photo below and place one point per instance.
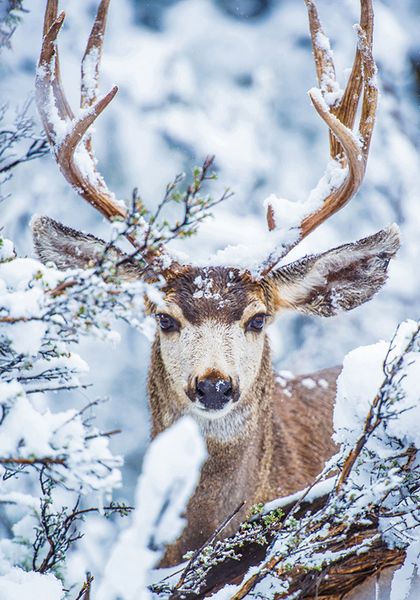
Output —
(230, 78)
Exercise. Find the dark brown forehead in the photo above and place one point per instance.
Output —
(217, 293)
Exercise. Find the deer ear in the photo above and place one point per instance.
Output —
(339, 279)
(68, 248)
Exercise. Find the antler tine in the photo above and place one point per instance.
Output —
(348, 149)
(92, 187)
(341, 119)
(370, 94)
(324, 66)
(51, 14)
(91, 62)
(64, 130)
(347, 109)
(61, 101)
(48, 88)
(92, 57)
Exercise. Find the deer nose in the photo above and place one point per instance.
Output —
(213, 393)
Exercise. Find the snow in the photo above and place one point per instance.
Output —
(30, 585)
(330, 87)
(6, 249)
(309, 495)
(288, 215)
(309, 383)
(36, 356)
(401, 582)
(170, 473)
(178, 102)
(398, 365)
(357, 386)
(288, 375)
(89, 73)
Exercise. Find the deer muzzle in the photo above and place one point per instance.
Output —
(213, 393)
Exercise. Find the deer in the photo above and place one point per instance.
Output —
(266, 437)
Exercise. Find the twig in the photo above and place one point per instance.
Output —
(13, 319)
(106, 434)
(81, 411)
(59, 388)
(207, 543)
(84, 593)
(33, 461)
(370, 427)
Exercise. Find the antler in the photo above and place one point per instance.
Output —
(349, 150)
(66, 132)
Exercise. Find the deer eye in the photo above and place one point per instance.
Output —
(167, 323)
(256, 323)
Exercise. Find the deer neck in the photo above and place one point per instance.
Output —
(236, 469)
(163, 411)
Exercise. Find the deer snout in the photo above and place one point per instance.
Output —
(213, 393)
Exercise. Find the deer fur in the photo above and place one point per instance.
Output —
(266, 437)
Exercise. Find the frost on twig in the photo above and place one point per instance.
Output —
(18, 141)
(58, 530)
(363, 514)
(151, 231)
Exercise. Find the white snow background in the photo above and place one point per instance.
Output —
(208, 84)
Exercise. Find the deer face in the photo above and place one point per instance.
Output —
(211, 342)
(211, 331)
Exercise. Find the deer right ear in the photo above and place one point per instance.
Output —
(68, 248)
(339, 279)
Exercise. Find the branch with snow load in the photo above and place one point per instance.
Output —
(42, 313)
(362, 514)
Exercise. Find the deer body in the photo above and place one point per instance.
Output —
(279, 451)
(211, 357)
(266, 439)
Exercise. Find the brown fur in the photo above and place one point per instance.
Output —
(225, 293)
(283, 447)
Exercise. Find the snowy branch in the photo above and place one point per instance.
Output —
(328, 539)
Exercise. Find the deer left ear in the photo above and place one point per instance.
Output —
(339, 279)
(68, 248)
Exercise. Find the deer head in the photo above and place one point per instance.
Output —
(211, 355)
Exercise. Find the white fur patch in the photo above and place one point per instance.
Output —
(227, 349)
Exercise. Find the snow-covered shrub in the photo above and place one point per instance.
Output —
(363, 512)
(56, 467)
(170, 473)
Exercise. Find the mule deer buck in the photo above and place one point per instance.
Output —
(211, 358)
